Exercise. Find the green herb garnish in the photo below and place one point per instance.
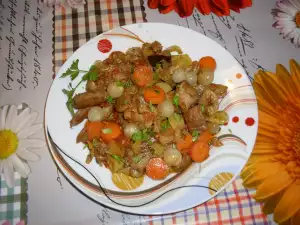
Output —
(73, 73)
(124, 84)
(110, 100)
(125, 102)
(143, 135)
(69, 93)
(116, 157)
(230, 130)
(195, 135)
(176, 100)
(107, 131)
(155, 76)
(202, 108)
(157, 91)
(152, 108)
(158, 66)
(136, 159)
(165, 125)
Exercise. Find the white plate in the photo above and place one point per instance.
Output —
(238, 136)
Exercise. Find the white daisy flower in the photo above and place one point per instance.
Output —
(67, 3)
(15, 146)
(287, 16)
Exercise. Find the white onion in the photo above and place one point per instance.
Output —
(165, 86)
(191, 78)
(114, 90)
(172, 157)
(178, 75)
(166, 108)
(96, 114)
(130, 129)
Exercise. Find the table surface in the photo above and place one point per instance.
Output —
(52, 200)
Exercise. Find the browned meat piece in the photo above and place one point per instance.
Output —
(195, 67)
(156, 124)
(82, 136)
(132, 116)
(79, 116)
(210, 100)
(117, 57)
(126, 101)
(219, 89)
(195, 119)
(187, 96)
(148, 119)
(167, 136)
(123, 103)
(199, 88)
(156, 47)
(134, 54)
(89, 99)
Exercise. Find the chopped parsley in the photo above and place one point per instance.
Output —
(176, 100)
(155, 76)
(124, 84)
(106, 131)
(195, 135)
(73, 73)
(165, 125)
(136, 159)
(157, 91)
(152, 108)
(158, 66)
(202, 108)
(126, 102)
(230, 130)
(143, 135)
(110, 100)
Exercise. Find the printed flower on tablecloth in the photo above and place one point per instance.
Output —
(15, 146)
(67, 3)
(185, 8)
(287, 16)
(273, 168)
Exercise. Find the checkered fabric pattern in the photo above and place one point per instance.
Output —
(234, 206)
(73, 28)
(13, 201)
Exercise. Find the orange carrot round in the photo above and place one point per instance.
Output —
(155, 95)
(205, 136)
(110, 131)
(185, 143)
(142, 75)
(199, 151)
(208, 62)
(157, 169)
(93, 129)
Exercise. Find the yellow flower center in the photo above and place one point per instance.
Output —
(297, 19)
(8, 143)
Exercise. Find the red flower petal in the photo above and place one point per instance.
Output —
(153, 4)
(187, 6)
(165, 9)
(203, 6)
(167, 2)
(222, 7)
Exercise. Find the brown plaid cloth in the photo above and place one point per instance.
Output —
(72, 28)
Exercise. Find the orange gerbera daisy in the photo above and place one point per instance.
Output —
(274, 166)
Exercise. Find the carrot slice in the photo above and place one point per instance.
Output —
(157, 169)
(185, 143)
(142, 75)
(155, 95)
(208, 62)
(93, 129)
(205, 136)
(199, 151)
(110, 131)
